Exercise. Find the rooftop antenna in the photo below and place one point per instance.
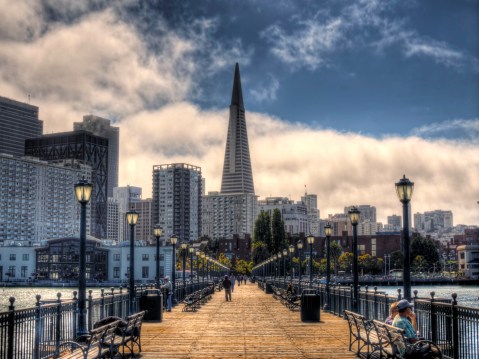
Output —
(28, 98)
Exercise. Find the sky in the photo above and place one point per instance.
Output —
(342, 97)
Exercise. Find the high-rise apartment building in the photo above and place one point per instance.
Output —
(311, 202)
(433, 220)
(37, 198)
(233, 210)
(177, 200)
(394, 222)
(101, 127)
(367, 212)
(18, 121)
(113, 220)
(91, 150)
(294, 215)
(125, 197)
(144, 227)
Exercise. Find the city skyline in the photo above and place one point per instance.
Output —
(382, 89)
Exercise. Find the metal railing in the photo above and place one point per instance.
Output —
(454, 328)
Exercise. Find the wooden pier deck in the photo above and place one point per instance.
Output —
(252, 325)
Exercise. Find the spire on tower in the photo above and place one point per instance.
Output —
(237, 93)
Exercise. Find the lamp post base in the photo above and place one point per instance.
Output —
(326, 307)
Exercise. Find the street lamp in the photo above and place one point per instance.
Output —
(157, 231)
(291, 251)
(132, 219)
(328, 231)
(275, 258)
(300, 248)
(173, 240)
(83, 191)
(354, 218)
(192, 251)
(198, 256)
(285, 253)
(310, 240)
(184, 247)
(279, 255)
(404, 190)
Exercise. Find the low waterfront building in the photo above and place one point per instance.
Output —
(468, 257)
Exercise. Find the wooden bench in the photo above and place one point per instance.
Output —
(98, 344)
(290, 300)
(361, 333)
(195, 300)
(394, 344)
(129, 335)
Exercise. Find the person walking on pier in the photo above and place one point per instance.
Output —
(233, 282)
(168, 293)
(227, 285)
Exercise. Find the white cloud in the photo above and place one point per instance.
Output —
(266, 92)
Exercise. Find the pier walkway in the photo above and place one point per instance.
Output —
(252, 325)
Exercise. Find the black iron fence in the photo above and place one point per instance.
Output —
(36, 332)
(454, 328)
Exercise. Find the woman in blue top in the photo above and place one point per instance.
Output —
(406, 320)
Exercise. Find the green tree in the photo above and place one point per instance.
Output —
(345, 261)
(419, 263)
(224, 260)
(397, 260)
(426, 248)
(262, 231)
(335, 252)
(278, 234)
(259, 252)
(244, 267)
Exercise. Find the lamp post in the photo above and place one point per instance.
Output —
(157, 231)
(404, 190)
(83, 191)
(203, 257)
(291, 250)
(173, 240)
(327, 230)
(279, 255)
(310, 240)
(198, 256)
(300, 249)
(192, 251)
(132, 219)
(275, 258)
(184, 247)
(354, 218)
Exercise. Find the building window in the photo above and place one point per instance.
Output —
(25, 257)
(13, 257)
(373, 247)
(116, 272)
(462, 255)
(145, 272)
(11, 271)
(145, 256)
(23, 273)
(116, 257)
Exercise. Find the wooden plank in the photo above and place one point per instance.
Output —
(252, 325)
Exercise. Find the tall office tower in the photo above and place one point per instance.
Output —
(438, 219)
(18, 121)
(86, 147)
(395, 222)
(177, 200)
(237, 174)
(125, 197)
(368, 213)
(101, 127)
(37, 198)
(311, 202)
(233, 210)
(294, 215)
(419, 221)
(144, 228)
(113, 220)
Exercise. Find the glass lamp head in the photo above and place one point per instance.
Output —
(285, 252)
(174, 239)
(353, 214)
(291, 248)
(310, 239)
(132, 217)
(328, 230)
(300, 245)
(158, 231)
(83, 191)
(404, 189)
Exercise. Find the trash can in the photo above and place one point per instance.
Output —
(268, 289)
(152, 301)
(310, 306)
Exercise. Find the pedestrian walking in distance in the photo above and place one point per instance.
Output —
(227, 286)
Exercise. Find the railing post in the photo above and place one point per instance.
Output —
(112, 306)
(120, 314)
(38, 331)
(433, 319)
(455, 327)
(366, 303)
(58, 325)
(358, 300)
(376, 309)
(399, 294)
(350, 307)
(75, 310)
(90, 310)
(102, 303)
(11, 324)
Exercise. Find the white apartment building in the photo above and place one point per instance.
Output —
(37, 198)
(468, 260)
(311, 202)
(294, 215)
(224, 215)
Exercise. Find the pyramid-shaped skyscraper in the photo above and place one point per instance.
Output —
(232, 211)
(237, 174)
